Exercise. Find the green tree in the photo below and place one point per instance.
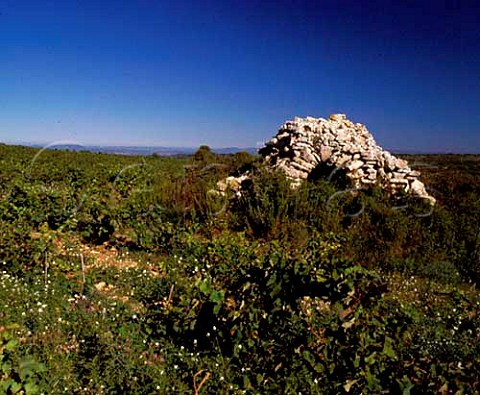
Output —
(204, 154)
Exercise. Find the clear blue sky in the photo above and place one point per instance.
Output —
(229, 73)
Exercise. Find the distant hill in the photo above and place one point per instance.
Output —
(142, 150)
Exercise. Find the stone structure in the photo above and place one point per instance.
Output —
(309, 147)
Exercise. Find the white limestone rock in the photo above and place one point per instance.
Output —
(304, 143)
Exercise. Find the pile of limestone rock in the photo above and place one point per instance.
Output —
(304, 146)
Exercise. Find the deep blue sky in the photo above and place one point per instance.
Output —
(229, 73)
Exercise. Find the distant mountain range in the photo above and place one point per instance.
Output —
(173, 151)
(141, 150)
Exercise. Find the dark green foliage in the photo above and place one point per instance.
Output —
(263, 209)
(204, 154)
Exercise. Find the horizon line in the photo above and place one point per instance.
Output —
(153, 146)
(120, 145)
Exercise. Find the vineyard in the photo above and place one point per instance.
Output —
(131, 274)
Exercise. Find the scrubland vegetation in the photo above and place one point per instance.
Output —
(126, 275)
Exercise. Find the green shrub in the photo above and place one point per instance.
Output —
(18, 374)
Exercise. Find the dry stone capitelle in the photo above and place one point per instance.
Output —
(304, 144)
